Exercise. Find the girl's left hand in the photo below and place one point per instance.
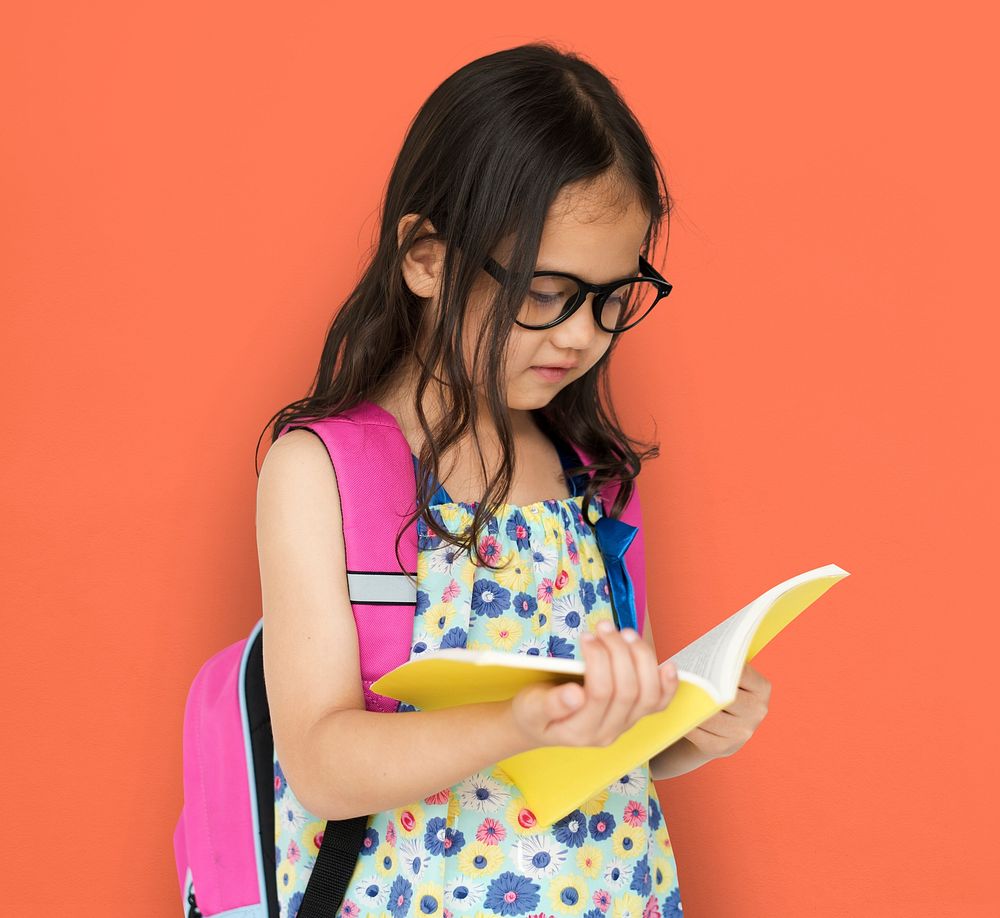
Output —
(727, 730)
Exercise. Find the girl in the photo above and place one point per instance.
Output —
(509, 262)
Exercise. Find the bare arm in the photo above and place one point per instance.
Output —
(679, 757)
(340, 759)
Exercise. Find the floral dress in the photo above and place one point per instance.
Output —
(473, 850)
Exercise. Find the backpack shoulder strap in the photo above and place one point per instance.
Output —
(377, 485)
(623, 550)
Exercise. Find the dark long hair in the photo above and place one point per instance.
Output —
(483, 161)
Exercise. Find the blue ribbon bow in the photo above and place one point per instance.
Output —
(613, 538)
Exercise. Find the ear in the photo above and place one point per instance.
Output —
(422, 263)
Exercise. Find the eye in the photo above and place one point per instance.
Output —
(546, 299)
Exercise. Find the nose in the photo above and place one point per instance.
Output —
(579, 329)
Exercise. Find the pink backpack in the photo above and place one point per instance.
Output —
(224, 837)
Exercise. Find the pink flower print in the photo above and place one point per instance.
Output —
(490, 832)
(448, 913)
(390, 832)
(652, 908)
(350, 909)
(602, 899)
(451, 591)
(294, 852)
(490, 550)
(545, 591)
(561, 579)
(440, 797)
(574, 555)
(635, 813)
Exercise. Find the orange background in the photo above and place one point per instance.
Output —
(188, 190)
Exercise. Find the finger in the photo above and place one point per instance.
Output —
(598, 683)
(669, 682)
(626, 684)
(644, 665)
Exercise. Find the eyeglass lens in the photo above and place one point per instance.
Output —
(550, 298)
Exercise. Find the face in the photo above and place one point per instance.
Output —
(592, 233)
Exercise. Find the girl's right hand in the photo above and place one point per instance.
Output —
(622, 684)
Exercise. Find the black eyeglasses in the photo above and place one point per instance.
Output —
(618, 305)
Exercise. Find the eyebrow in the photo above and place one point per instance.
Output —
(632, 272)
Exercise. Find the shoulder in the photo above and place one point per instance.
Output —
(297, 470)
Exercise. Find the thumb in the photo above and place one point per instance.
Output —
(563, 700)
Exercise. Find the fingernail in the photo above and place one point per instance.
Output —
(606, 626)
(588, 637)
(629, 635)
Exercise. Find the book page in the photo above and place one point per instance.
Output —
(710, 656)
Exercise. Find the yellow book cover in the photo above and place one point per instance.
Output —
(556, 779)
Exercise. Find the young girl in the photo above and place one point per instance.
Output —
(509, 262)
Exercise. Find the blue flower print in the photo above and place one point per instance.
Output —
(419, 647)
(525, 605)
(601, 825)
(439, 838)
(560, 647)
(370, 842)
(593, 913)
(295, 903)
(642, 879)
(455, 637)
(511, 894)
(588, 595)
(279, 781)
(653, 811)
(428, 904)
(489, 598)
(571, 830)
(671, 905)
(604, 589)
(519, 530)
(399, 896)
(423, 601)
(426, 540)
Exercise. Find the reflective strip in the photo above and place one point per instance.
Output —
(389, 588)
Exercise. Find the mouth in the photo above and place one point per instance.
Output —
(552, 374)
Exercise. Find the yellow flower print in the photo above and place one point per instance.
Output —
(422, 567)
(438, 618)
(385, 859)
(454, 809)
(427, 900)
(595, 804)
(311, 837)
(589, 859)
(568, 894)
(597, 616)
(521, 819)
(662, 838)
(409, 820)
(628, 842)
(504, 631)
(539, 627)
(286, 876)
(479, 645)
(664, 875)
(555, 533)
(518, 577)
(627, 905)
(479, 859)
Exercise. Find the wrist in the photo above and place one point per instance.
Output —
(677, 759)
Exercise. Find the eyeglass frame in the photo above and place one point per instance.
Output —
(601, 292)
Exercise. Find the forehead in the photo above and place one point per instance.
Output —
(594, 231)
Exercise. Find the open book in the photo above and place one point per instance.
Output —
(555, 780)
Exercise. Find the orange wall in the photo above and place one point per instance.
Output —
(187, 191)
